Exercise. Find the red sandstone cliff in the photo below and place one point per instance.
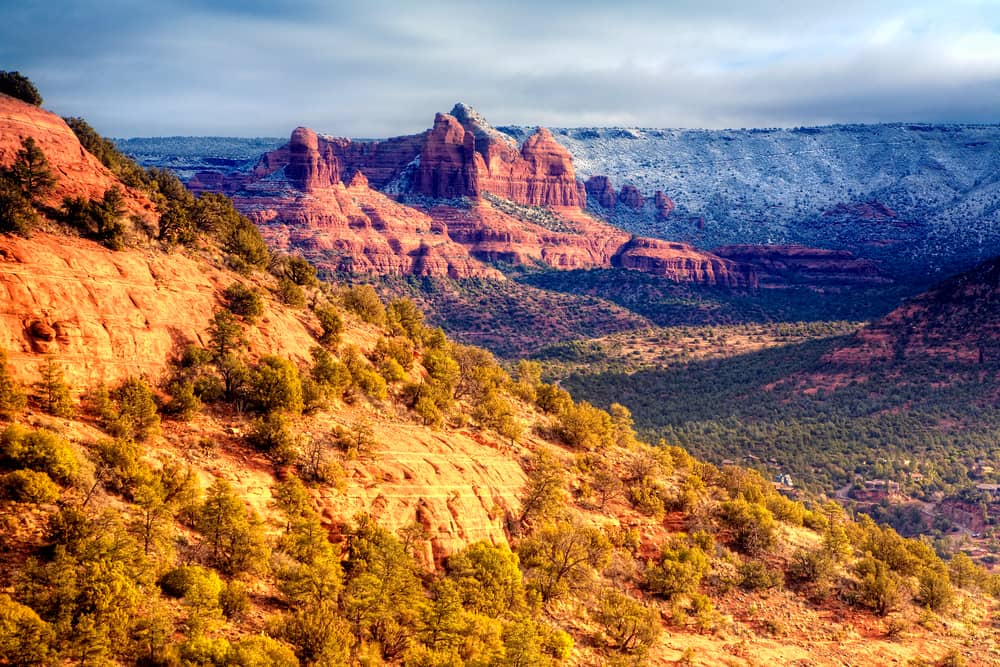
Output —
(683, 263)
(785, 264)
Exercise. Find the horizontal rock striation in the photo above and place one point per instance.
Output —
(785, 264)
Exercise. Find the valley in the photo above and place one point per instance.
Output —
(791, 240)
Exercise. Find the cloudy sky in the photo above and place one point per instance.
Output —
(377, 68)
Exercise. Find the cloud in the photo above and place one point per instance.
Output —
(253, 67)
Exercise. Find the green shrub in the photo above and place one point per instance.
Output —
(260, 651)
(17, 215)
(563, 556)
(363, 301)
(406, 319)
(755, 575)
(28, 486)
(396, 348)
(935, 590)
(177, 581)
(129, 411)
(545, 492)
(356, 442)
(878, 588)
(391, 370)
(752, 526)
(184, 402)
(239, 237)
(364, 376)
(294, 268)
(244, 301)
(814, 567)
(233, 535)
(290, 294)
(552, 399)
(428, 411)
(25, 639)
(39, 450)
(488, 578)
(332, 375)
(273, 436)
(54, 392)
(274, 386)
(120, 466)
(332, 326)
(627, 624)
(679, 570)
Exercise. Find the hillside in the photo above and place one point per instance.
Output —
(908, 399)
(956, 323)
(394, 498)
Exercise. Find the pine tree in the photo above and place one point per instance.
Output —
(31, 170)
(12, 397)
(16, 212)
(56, 399)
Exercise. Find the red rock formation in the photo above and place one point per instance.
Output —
(77, 172)
(631, 197)
(355, 229)
(448, 161)
(551, 179)
(466, 160)
(583, 242)
(681, 262)
(308, 169)
(492, 235)
(600, 189)
(664, 205)
(107, 315)
(779, 265)
(307, 207)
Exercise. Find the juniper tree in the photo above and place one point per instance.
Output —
(55, 396)
(31, 170)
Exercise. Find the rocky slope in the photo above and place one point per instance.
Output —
(956, 322)
(77, 172)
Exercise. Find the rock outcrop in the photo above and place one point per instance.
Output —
(449, 165)
(601, 191)
(466, 159)
(77, 172)
(107, 315)
(357, 229)
(308, 169)
(956, 322)
(872, 211)
(630, 197)
(683, 263)
(664, 205)
(318, 195)
(789, 264)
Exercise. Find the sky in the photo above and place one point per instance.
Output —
(374, 68)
